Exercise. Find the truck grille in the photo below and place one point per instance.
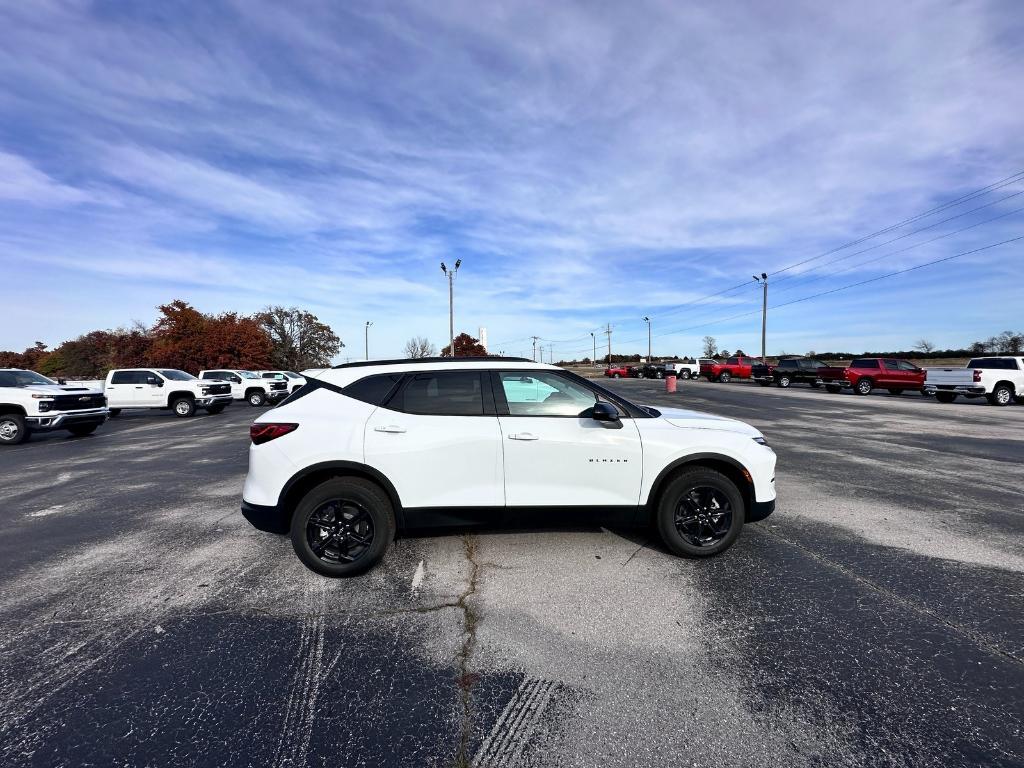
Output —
(219, 389)
(78, 402)
(278, 385)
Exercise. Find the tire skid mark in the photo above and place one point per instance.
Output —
(300, 705)
(515, 726)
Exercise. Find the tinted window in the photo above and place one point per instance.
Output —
(813, 364)
(905, 366)
(176, 375)
(129, 377)
(373, 389)
(213, 375)
(22, 379)
(787, 364)
(892, 365)
(868, 363)
(732, 361)
(454, 393)
(999, 363)
(544, 394)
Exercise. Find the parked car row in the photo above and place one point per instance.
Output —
(1000, 379)
(31, 402)
(654, 371)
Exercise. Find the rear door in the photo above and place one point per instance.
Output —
(891, 375)
(554, 453)
(437, 439)
(120, 391)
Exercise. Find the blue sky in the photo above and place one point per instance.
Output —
(588, 162)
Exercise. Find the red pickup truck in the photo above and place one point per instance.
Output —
(867, 373)
(620, 371)
(733, 368)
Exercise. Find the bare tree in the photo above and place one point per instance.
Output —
(923, 345)
(710, 346)
(418, 347)
(1010, 343)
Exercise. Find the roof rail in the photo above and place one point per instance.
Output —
(428, 360)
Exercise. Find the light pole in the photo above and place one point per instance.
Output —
(763, 280)
(368, 324)
(648, 321)
(451, 303)
(594, 338)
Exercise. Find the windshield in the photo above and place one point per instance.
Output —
(22, 379)
(292, 375)
(247, 374)
(177, 375)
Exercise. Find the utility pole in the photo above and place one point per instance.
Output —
(594, 338)
(608, 332)
(763, 280)
(535, 348)
(368, 324)
(648, 321)
(451, 303)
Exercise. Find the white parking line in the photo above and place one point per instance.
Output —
(417, 578)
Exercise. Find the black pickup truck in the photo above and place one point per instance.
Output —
(789, 371)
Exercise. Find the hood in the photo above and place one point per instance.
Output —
(679, 417)
(57, 389)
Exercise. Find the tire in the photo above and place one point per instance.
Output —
(784, 382)
(616, 376)
(725, 377)
(684, 375)
(835, 389)
(863, 386)
(945, 397)
(256, 398)
(215, 409)
(895, 391)
(659, 375)
(184, 407)
(81, 430)
(924, 393)
(114, 412)
(686, 497)
(1001, 395)
(360, 501)
(12, 429)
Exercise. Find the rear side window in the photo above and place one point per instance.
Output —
(445, 393)
(905, 366)
(814, 364)
(373, 389)
(129, 377)
(865, 363)
(892, 365)
(787, 363)
(732, 361)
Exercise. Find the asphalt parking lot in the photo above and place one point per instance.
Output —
(876, 619)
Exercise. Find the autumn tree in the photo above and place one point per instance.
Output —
(236, 341)
(32, 358)
(465, 346)
(418, 347)
(298, 339)
(179, 337)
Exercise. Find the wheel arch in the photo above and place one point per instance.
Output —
(307, 478)
(6, 408)
(1009, 384)
(178, 394)
(727, 465)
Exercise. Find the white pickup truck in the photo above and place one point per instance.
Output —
(294, 381)
(684, 370)
(164, 388)
(249, 385)
(1000, 379)
(30, 402)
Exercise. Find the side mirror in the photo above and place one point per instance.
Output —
(236, 380)
(154, 381)
(62, 381)
(605, 412)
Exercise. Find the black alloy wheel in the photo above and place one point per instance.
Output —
(703, 516)
(700, 513)
(340, 531)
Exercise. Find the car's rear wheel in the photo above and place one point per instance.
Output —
(725, 377)
(784, 381)
(343, 527)
(700, 513)
(12, 429)
(683, 375)
(184, 406)
(1001, 395)
(863, 387)
(945, 397)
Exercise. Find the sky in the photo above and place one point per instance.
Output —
(590, 163)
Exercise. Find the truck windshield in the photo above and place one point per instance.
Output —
(247, 374)
(292, 375)
(23, 379)
(177, 375)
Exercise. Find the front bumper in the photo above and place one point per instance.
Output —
(206, 401)
(759, 510)
(49, 421)
(277, 394)
(957, 389)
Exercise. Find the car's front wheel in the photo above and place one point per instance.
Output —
(784, 381)
(343, 527)
(700, 513)
(256, 398)
(184, 407)
(12, 429)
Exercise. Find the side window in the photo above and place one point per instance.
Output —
(123, 377)
(210, 375)
(892, 365)
(868, 363)
(544, 394)
(444, 393)
(732, 361)
(905, 366)
(373, 389)
(787, 363)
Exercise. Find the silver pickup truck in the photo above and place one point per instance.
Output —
(999, 379)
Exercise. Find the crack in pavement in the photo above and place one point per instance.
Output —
(466, 679)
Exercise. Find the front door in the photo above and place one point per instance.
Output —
(438, 441)
(555, 454)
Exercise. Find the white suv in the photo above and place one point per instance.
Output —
(366, 448)
(165, 388)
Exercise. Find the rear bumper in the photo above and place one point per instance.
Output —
(265, 518)
(47, 422)
(958, 389)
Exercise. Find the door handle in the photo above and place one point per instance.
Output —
(139, 387)
(390, 428)
(523, 436)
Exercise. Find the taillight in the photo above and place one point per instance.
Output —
(977, 375)
(264, 433)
